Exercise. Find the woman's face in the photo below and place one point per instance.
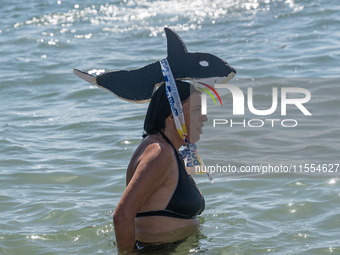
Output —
(193, 117)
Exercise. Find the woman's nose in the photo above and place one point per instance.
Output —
(204, 118)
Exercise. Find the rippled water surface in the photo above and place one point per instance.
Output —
(65, 144)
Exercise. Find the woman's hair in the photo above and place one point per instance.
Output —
(159, 107)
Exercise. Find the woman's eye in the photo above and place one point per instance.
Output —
(204, 63)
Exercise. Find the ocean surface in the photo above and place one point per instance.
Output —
(65, 144)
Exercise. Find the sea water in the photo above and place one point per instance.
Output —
(65, 144)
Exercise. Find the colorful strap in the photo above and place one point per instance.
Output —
(189, 154)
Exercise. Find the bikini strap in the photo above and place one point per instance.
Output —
(176, 152)
(166, 139)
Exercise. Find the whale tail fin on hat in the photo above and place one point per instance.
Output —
(85, 76)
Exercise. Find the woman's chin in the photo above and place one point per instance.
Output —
(194, 139)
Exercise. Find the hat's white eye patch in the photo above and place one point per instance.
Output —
(204, 63)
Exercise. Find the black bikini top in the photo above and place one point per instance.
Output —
(186, 202)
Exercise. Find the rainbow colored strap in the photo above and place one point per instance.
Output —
(189, 154)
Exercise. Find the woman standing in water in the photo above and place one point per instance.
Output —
(160, 195)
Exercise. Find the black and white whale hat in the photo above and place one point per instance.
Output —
(137, 86)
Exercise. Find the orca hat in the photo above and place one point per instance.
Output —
(138, 85)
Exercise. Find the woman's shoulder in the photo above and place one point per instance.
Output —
(153, 150)
(154, 146)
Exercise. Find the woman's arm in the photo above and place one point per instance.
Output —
(151, 172)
